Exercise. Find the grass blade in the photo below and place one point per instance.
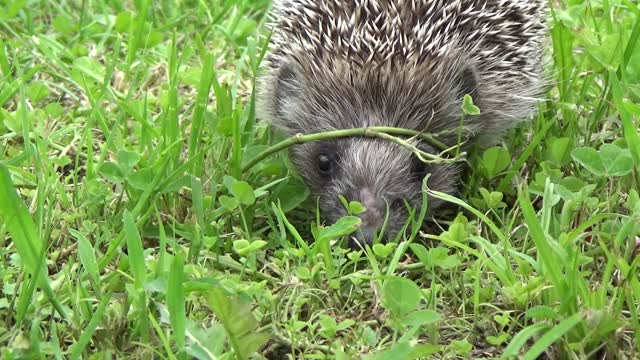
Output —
(520, 340)
(137, 267)
(545, 253)
(175, 302)
(87, 256)
(87, 333)
(24, 234)
(198, 114)
(240, 324)
(630, 129)
(552, 336)
(134, 247)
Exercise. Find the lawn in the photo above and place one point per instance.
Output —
(131, 225)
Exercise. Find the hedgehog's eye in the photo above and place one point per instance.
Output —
(324, 164)
(419, 168)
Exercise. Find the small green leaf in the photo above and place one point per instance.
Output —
(228, 202)
(448, 262)
(153, 38)
(356, 208)
(572, 183)
(10, 120)
(421, 252)
(206, 343)
(590, 159)
(559, 151)
(258, 244)
(124, 21)
(401, 351)
(303, 272)
(245, 247)
(127, 160)
(89, 68)
(383, 251)
(423, 317)
(463, 346)
(400, 296)
(329, 328)
(457, 232)
(497, 340)
(175, 185)
(141, 179)
(541, 312)
(355, 255)
(111, 171)
(346, 324)
(344, 201)
(38, 92)
(291, 194)
(468, 107)
(617, 161)
(495, 160)
(492, 199)
(503, 320)
(345, 226)
(437, 257)
(53, 110)
(240, 189)
(64, 25)
(239, 322)
(14, 8)
(424, 351)
(241, 245)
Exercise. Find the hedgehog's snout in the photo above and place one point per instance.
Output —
(375, 208)
(372, 218)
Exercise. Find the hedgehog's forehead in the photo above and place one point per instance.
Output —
(341, 96)
(366, 153)
(375, 163)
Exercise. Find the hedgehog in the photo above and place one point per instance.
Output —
(337, 64)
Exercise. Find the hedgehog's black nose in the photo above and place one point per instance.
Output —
(364, 235)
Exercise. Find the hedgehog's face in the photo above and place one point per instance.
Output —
(381, 175)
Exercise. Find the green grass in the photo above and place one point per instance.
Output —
(128, 228)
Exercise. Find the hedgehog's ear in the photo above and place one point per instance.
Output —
(288, 88)
(467, 82)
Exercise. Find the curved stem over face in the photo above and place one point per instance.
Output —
(386, 133)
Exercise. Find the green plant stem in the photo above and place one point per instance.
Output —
(386, 133)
